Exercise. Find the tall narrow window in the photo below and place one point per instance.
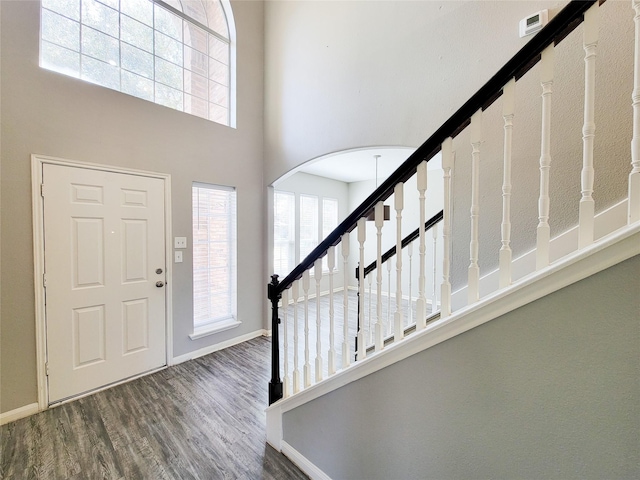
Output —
(284, 232)
(329, 222)
(214, 256)
(177, 53)
(308, 224)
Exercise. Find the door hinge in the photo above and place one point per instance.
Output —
(46, 369)
(44, 280)
(42, 189)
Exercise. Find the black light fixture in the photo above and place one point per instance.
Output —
(387, 209)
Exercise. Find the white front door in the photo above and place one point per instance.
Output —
(104, 236)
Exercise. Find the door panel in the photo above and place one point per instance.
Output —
(104, 239)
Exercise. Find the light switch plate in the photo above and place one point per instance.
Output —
(177, 257)
(180, 242)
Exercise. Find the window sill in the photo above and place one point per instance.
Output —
(214, 328)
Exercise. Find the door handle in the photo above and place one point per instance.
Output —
(159, 284)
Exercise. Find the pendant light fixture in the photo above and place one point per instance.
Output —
(387, 209)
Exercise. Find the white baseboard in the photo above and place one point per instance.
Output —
(606, 222)
(18, 413)
(218, 346)
(303, 463)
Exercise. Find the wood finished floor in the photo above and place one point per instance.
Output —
(203, 419)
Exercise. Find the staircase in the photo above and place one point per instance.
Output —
(401, 315)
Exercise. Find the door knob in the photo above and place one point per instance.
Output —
(159, 284)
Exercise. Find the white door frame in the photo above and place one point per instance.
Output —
(37, 162)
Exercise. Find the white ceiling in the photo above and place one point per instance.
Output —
(358, 165)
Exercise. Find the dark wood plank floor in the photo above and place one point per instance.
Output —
(203, 419)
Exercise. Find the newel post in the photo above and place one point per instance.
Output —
(275, 385)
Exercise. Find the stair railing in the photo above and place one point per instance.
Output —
(403, 320)
(295, 287)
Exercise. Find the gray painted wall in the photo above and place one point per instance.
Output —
(50, 114)
(550, 390)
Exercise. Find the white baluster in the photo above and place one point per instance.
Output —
(362, 348)
(434, 301)
(346, 351)
(474, 269)
(331, 261)
(410, 255)
(398, 196)
(388, 329)
(370, 316)
(634, 176)
(317, 273)
(421, 304)
(285, 332)
(544, 231)
(296, 371)
(379, 220)
(445, 290)
(587, 205)
(508, 111)
(307, 365)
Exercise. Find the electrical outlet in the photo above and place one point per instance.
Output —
(180, 242)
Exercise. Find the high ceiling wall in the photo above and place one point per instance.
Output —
(350, 74)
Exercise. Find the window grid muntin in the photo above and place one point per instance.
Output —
(328, 224)
(214, 107)
(284, 219)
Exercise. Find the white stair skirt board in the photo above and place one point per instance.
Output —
(303, 463)
(604, 253)
(219, 346)
(606, 222)
(18, 413)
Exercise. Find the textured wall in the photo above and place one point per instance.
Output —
(390, 73)
(50, 114)
(550, 390)
(349, 74)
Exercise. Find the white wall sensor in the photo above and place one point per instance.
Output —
(533, 23)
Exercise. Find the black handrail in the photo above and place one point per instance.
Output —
(557, 29)
(554, 32)
(405, 241)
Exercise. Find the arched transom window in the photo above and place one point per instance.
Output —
(176, 53)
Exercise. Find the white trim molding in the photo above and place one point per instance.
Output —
(606, 222)
(602, 254)
(18, 413)
(214, 328)
(218, 346)
(37, 162)
(303, 463)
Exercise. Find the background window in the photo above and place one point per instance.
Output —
(316, 218)
(214, 254)
(329, 223)
(174, 53)
(284, 232)
(308, 225)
